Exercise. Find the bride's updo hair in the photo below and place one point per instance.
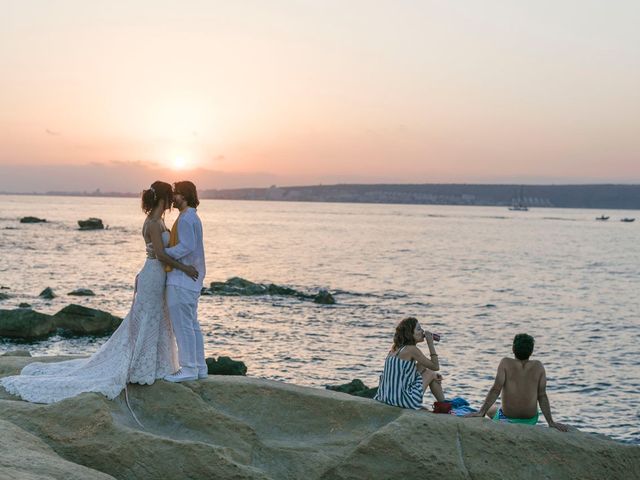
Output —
(152, 196)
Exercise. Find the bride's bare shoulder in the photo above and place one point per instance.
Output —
(149, 226)
(153, 224)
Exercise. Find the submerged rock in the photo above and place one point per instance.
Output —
(79, 320)
(355, 387)
(239, 287)
(4, 296)
(249, 428)
(225, 366)
(47, 294)
(24, 305)
(32, 220)
(91, 224)
(323, 297)
(273, 289)
(25, 324)
(82, 292)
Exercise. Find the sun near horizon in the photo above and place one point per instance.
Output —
(179, 163)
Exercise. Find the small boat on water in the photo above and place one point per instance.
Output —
(602, 218)
(628, 220)
(518, 204)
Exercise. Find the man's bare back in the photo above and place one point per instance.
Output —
(523, 385)
(520, 389)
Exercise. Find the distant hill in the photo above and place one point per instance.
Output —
(562, 196)
(598, 196)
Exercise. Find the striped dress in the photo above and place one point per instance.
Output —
(400, 383)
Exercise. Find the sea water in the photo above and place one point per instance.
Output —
(477, 275)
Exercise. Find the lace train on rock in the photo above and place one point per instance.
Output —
(142, 349)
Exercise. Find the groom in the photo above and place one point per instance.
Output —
(183, 292)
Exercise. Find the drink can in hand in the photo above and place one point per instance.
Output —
(436, 337)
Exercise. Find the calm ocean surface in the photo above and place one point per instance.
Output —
(478, 275)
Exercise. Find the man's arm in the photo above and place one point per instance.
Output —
(155, 232)
(543, 400)
(494, 392)
(186, 240)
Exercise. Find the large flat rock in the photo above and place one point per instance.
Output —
(80, 320)
(25, 324)
(243, 427)
(26, 457)
(73, 320)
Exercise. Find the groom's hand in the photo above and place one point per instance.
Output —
(192, 272)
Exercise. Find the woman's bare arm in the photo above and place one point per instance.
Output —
(422, 360)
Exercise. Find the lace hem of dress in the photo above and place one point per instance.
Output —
(141, 350)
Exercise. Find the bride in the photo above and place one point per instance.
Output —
(141, 350)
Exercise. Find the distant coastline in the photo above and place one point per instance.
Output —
(596, 196)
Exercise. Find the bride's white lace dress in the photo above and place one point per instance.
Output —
(142, 349)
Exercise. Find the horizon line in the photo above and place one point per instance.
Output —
(98, 192)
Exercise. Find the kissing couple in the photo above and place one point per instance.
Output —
(164, 313)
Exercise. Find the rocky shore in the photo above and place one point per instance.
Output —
(242, 427)
(240, 287)
(26, 324)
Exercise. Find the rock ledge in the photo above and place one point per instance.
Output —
(247, 428)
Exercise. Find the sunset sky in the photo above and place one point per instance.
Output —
(113, 95)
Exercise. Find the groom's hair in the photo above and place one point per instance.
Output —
(188, 190)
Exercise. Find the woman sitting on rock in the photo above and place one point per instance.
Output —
(407, 371)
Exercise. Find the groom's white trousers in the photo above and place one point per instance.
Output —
(183, 312)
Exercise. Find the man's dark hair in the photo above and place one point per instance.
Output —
(523, 346)
(188, 190)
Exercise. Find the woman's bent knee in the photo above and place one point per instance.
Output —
(428, 376)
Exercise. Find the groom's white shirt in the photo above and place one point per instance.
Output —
(189, 251)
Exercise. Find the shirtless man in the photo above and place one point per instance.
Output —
(523, 384)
